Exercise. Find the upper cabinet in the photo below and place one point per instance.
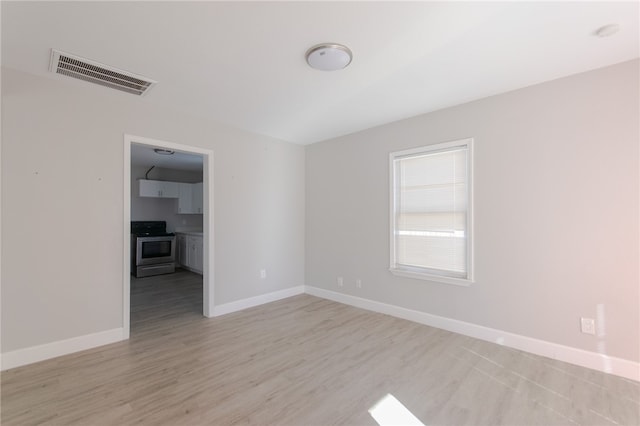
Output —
(197, 197)
(190, 201)
(185, 198)
(189, 195)
(158, 188)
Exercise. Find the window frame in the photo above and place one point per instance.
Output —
(417, 272)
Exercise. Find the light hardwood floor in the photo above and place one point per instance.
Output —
(301, 361)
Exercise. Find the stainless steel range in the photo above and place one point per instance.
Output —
(153, 249)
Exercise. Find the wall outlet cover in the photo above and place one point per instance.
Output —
(588, 325)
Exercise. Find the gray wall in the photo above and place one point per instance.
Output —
(62, 205)
(148, 208)
(556, 211)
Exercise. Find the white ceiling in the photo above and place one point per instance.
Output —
(144, 155)
(242, 63)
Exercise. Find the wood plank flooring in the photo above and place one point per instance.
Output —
(301, 361)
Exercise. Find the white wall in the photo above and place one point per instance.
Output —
(62, 205)
(149, 208)
(556, 211)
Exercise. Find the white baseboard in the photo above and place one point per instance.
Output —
(33, 354)
(593, 360)
(239, 305)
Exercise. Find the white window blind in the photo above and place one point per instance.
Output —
(431, 210)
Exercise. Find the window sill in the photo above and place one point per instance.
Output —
(462, 282)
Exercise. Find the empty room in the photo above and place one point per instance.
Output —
(318, 212)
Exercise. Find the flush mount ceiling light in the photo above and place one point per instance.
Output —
(328, 56)
(607, 30)
(163, 151)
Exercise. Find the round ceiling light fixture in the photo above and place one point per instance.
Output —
(607, 30)
(329, 56)
(163, 151)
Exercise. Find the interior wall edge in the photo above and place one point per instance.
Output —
(592, 360)
(250, 302)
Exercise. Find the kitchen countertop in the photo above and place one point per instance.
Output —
(196, 233)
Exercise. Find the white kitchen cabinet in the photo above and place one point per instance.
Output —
(181, 249)
(189, 195)
(197, 197)
(194, 257)
(190, 198)
(185, 198)
(158, 188)
(190, 251)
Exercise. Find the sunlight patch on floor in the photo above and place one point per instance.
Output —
(390, 412)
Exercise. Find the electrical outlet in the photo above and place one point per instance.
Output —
(263, 273)
(340, 281)
(588, 325)
(359, 283)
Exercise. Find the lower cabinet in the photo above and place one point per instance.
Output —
(194, 255)
(190, 253)
(181, 249)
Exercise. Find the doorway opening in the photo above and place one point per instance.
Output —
(171, 185)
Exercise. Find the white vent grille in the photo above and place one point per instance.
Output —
(95, 72)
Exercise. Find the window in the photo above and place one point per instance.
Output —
(431, 217)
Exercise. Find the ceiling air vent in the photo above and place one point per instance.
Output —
(95, 72)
